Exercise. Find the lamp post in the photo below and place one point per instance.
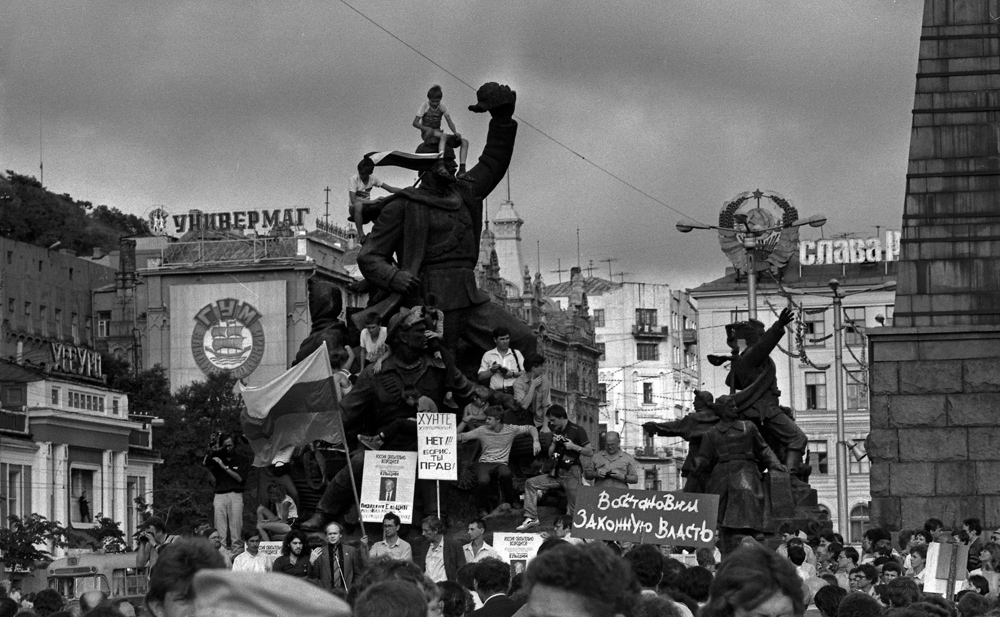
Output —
(750, 237)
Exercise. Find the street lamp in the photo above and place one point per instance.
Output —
(843, 515)
(751, 235)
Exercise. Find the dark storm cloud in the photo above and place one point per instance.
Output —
(217, 104)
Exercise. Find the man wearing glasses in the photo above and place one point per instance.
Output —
(863, 579)
(392, 545)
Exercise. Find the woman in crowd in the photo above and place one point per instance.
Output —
(755, 582)
(989, 559)
(279, 518)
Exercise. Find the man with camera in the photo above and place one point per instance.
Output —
(501, 365)
(229, 470)
(569, 443)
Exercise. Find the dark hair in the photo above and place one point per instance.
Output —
(921, 550)
(828, 598)
(980, 583)
(434, 523)
(251, 533)
(796, 554)
(479, 523)
(177, 564)
(494, 411)
(852, 553)
(647, 565)
(500, 331)
(973, 524)
(550, 543)
(385, 568)
(363, 164)
(695, 582)
(892, 566)
(972, 605)
(875, 534)
(749, 576)
(391, 516)
(859, 604)
(902, 592)
(933, 524)
(904, 538)
(372, 319)
(926, 535)
(8, 607)
(48, 601)
(565, 519)
(832, 536)
(456, 600)
(705, 557)
(155, 522)
(602, 581)
(788, 527)
(934, 606)
(556, 411)
(435, 92)
(466, 575)
(830, 578)
(866, 570)
(491, 576)
(391, 598)
(295, 534)
(533, 360)
(516, 585)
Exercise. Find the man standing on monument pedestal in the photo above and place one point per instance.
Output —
(433, 231)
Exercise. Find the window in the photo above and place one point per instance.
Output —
(15, 490)
(40, 262)
(650, 480)
(819, 456)
(83, 499)
(13, 397)
(600, 346)
(74, 328)
(647, 393)
(11, 303)
(10, 258)
(815, 390)
(87, 402)
(55, 397)
(645, 317)
(856, 386)
(856, 467)
(71, 274)
(647, 351)
(58, 316)
(602, 393)
(890, 310)
(43, 316)
(598, 318)
(27, 313)
(116, 406)
(814, 329)
(103, 324)
(859, 522)
(854, 325)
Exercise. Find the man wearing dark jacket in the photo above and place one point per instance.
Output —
(491, 579)
(336, 565)
(439, 557)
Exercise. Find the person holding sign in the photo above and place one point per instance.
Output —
(569, 443)
(731, 452)
(496, 438)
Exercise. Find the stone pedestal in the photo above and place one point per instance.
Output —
(935, 375)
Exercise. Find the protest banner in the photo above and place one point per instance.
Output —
(271, 550)
(650, 517)
(388, 485)
(517, 549)
(437, 450)
(945, 568)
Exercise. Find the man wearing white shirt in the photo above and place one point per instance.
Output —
(392, 545)
(501, 365)
(252, 560)
(478, 548)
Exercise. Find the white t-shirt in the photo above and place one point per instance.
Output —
(245, 562)
(375, 348)
(362, 189)
(432, 117)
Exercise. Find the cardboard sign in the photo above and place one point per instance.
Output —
(437, 450)
(272, 550)
(945, 562)
(649, 517)
(517, 549)
(387, 485)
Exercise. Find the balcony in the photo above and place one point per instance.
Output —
(689, 336)
(13, 422)
(643, 330)
(652, 452)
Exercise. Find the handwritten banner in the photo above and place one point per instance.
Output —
(272, 550)
(387, 485)
(517, 549)
(651, 517)
(437, 450)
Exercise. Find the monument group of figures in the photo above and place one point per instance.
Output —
(424, 306)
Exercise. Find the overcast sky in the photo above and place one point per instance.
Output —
(236, 105)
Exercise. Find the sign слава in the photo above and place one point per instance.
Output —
(849, 250)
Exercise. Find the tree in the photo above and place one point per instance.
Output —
(19, 541)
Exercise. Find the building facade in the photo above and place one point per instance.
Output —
(648, 370)
(805, 360)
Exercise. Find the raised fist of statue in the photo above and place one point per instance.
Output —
(496, 99)
(786, 317)
(649, 428)
(405, 283)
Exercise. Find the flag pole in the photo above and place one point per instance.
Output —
(438, 483)
(350, 468)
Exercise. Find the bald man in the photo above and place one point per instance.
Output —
(92, 599)
(611, 466)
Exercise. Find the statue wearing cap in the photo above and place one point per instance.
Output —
(376, 400)
(425, 240)
(692, 428)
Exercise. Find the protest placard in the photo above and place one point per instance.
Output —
(945, 568)
(517, 549)
(437, 452)
(388, 485)
(272, 550)
(651, 517)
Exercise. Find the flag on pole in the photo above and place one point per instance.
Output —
(293, 409)
(406, 160)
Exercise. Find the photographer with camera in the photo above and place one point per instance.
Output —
(501, 365)
(229, 470)
(569, 443)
